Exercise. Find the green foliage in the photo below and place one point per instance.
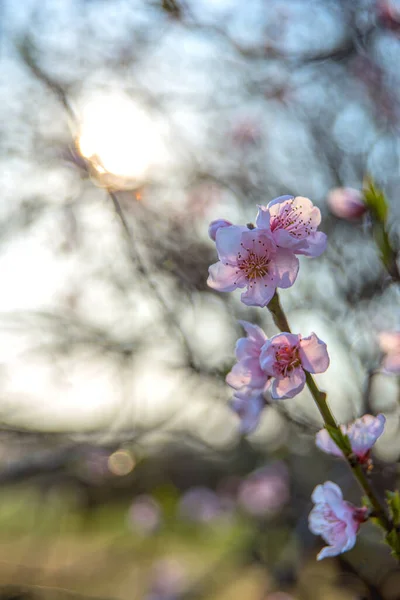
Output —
(375, 200)
(393, 501)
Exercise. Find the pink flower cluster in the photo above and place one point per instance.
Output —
(278, 364)
(263, 258)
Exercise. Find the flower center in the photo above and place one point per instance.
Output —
(287, 359)
(251, 264)
(290, 218)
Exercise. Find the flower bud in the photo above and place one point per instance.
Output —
(346, 203)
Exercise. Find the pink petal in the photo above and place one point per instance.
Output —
(290, 386)
(247, 372)
(391, 364)
(263, 218)
(318, 495)
(224, 278)
(279, 200)
(254, 332)
(248, 404)
(364, 432)
(286, 267)
(215, 225)
(285, 339)
(284, 239)
(268, 359)
(315, 245)
(258, 293)
(389, 342)
(325, 443)
(228, 240)
(313, 354)
(329, 551)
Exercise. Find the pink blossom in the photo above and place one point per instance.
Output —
(247, 371)
(389, 342)
(287, 356)
(362, 434)
(334, 519)
(292, 223)
(249, 258)
(347, 203)
(265, 491)
(200, 504)
(248, 404)
(215, 225)
(144, 514)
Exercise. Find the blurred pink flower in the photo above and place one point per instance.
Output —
(334, 519)
(248, 404)
(264, 491)
(389, 342)
(200, 504)
(346, 203)
(247, 371)
(215, 225)
(246, 133)
(389, 14)
(287, 356)
(292, 223)
(362, 434)
(168, 580)
(144, 514)
(250, 258)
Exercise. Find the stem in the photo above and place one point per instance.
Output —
(332, 427)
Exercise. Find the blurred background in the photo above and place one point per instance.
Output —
(126, 127)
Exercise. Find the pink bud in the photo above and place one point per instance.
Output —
(346, 203)
(389, 342)
(215, 225)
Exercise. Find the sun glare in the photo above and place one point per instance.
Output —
(121, 136)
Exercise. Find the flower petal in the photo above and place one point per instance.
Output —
(247, 372)
(315, 245)
(263, 218)
(313, 354)
(248, 404)
(325, 443)
(289, 386)
(286, 267)
(279, 200)
(215, 225)
(258, 293)
(254, 332)
(228, 240)
(224, 278)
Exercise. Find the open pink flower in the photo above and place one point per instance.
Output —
(247, 371)
(362, 434)
(249, 258)
(334, 519)
(389, 342)
(286, 357)
(292, 223)
(248, 404)
(347, 203)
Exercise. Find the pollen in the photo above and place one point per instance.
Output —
(290, 217)
(253, 266)
(287, 359)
